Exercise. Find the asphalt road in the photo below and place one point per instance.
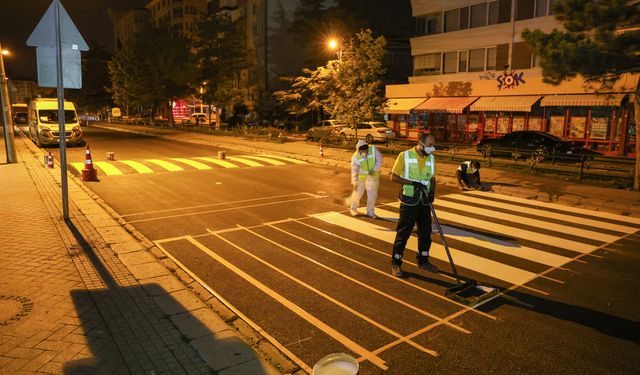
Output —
(275, 240)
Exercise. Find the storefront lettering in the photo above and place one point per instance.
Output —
(509, 80)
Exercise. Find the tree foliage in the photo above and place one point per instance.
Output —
(221, 53)
(600, 41)
(152, 68)
(349, 89)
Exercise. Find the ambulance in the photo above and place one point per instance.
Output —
(43, 123)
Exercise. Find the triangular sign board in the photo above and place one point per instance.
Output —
(44, 35)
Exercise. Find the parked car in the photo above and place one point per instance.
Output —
(370, 131)
(324, 128)
(528, 142)
(198, 119)
(20, 118)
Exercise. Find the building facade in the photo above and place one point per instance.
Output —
(475, 77)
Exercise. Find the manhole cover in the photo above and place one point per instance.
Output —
(14, 308)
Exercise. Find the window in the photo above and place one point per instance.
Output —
(450, 62)
(491, 58)
(464, 18)
(524, 9)
(476, 60)
(504, 11)
(177, 12)
(429, 24)
(462, 61)
(479, 15)
(426, 65)
(521, 56)
(502, 56)
(541, 8)
(452, 20)
(493, 13)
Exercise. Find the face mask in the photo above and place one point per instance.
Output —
(363, 154)
(474, 170)
(428, 150)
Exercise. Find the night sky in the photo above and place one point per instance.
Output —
(18, 18)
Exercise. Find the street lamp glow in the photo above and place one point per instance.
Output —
(5, 52)
(333, 44)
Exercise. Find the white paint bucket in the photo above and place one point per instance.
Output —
(222, 155)
(336, 364)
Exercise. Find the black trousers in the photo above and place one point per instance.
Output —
(409, 216)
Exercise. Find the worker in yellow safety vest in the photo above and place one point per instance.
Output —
(415, 171)
(468, 174)
(365, 175)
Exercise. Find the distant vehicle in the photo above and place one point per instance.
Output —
(528, 142)
(43, 122)
(20, 118)
(370, 131)
(198, 119)
(324, 128)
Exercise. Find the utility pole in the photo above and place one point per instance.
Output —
(6, 113)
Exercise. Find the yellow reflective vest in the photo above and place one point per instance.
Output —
(366, 165)
(412, 172)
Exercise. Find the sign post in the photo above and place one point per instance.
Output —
(58, 44)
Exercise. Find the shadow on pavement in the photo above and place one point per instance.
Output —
(133, 330)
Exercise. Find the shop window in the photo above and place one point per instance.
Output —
(452, 20)
(503, 123)
(472, 123)
(490, 123)
(462, 61)
(541, 8)
(517, 123)
(504, 11)
(426, 65)
(493, 13)
(556, 121)
(600, 121)
(491, 58)
(525, 9)
(479, 15)
(464, 18)
(476, 60)
(450, 63)
(521, 56)
(535, 123)
(502, 56)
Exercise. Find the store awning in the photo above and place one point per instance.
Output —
(401, 106)
(446, 105)
(521, 103)
(587, 100)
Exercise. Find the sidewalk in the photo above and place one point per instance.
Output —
(547, 188)
(88, 297)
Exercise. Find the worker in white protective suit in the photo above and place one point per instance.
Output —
(365, 174)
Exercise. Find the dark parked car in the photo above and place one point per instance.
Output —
(527, 142)
(20, 118)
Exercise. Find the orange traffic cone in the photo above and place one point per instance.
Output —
(89, 173)
(50, 161)
(321, 152)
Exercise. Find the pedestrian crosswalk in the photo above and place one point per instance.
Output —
(176, 164)
(487, 231)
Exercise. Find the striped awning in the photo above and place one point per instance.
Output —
(401, 106)
(586, 100)
(446, 105)
(522, 103)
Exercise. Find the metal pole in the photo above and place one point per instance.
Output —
(61, 117)
(6, 115)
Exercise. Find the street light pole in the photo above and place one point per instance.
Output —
(6, 113)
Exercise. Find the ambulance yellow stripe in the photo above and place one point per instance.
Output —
(78, 166)
(166, 165)
(221, 163)
(248, 162)
(290, 160)
(139, 167)
(263, 159)
(108, 168)
(193, 163)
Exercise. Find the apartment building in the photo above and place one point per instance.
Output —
(126, 23)
(475, 77)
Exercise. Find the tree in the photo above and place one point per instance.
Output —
(152, 69)
(220, 49)
(600, 42)
(348, 89)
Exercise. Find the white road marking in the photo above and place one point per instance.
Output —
(248, 162)
(139, 167)
(166, 165)
(219, 162)
(264, 159)
(193, 163)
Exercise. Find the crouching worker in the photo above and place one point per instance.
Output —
(468, 174)
(365, 175)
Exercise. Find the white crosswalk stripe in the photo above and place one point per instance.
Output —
(521, 221)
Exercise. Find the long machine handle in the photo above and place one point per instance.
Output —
(444, 242)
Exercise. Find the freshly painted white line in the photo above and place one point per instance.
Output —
(139, 167)
(506, 230)
(193, 163)
(290, 160)
(543, 213)
(293, 307)
(516, 250)
(248, 162)
(264, 159)
(108, 168)
(166, 165)
(534, 223)
(472, 262)
(595, 214)
(219, 162)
